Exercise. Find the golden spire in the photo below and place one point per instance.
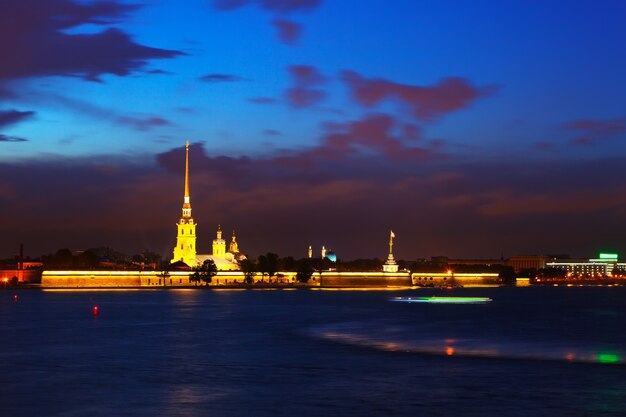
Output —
(186, 201)
(187, 172)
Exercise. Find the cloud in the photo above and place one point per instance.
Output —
(508, 202)
(594, 130)
(305, 92)
(34, 42)
(346, 192)
(288, 32)
(221, 78)
(140, 122)
(272, 132)
(10, 117)
(262, 100)
(374, 133)
(425, 103)
(5, 138)
(276, 6)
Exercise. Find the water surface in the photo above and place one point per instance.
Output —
(531, 351)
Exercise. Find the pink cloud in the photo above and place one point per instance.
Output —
(593, 130)
(305, 91)
(277, 6)
(288, 32)
(425, 102)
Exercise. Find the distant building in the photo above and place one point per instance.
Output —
(535, 262)
(603, 265)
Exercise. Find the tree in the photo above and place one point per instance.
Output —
(248, 268)
(507, 275)
(165, 271)
(305, 271)
(204, 272)
(268, 264)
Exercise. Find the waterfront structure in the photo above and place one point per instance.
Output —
(520, 263)
(185, 249)
(390, 265)
(603, 265)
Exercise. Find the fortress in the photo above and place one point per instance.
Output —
(227, 261)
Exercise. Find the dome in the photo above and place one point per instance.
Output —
(331, 256)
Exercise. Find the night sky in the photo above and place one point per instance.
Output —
(470, 128)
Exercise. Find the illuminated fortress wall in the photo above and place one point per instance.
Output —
(364, 279)
(155, 279)
(438, 279)
(111, 279)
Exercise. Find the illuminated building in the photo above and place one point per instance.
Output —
(603, 265)
(185, 249)
(390, 265)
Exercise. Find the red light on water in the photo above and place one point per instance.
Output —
(95, 310)
(15, 298)
(449, 351)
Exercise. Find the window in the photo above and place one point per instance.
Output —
(182, 231)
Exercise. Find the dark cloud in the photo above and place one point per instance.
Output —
(159, 72)
(186, 110)
(221, 78)
(134, 121)
(9, 117)
(5, 138)
(305, 91)
(277, 6)
(347, 200)
(33, 41)
(288, 32)
(262, 100)
(425, 102)
(142, 123)
(593, 130)
(272, 132)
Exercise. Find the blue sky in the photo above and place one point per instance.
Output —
(497, 105)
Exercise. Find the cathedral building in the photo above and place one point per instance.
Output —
(185, 249)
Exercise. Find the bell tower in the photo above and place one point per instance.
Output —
(219, 244)
(185, 249)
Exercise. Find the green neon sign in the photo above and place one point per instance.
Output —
(608, 256)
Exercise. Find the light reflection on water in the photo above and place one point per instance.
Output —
(306, 353)
(386, 338)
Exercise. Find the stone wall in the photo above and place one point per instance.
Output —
(364, 279)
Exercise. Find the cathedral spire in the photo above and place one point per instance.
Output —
(187, 172)
(185, 249)
(186, 201)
